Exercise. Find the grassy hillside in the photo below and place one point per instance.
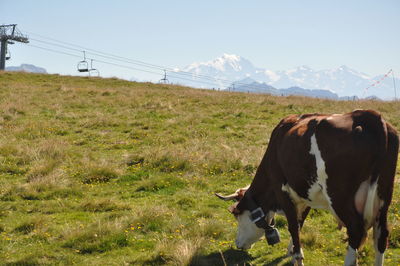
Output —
(109, 172)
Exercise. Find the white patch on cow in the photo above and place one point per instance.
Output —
(351, 257)
(318, 197)
(270, 215)
(372, 205)
(248, 232)
(298, 201)
(318, 192)
(379, 257)
(361, 196)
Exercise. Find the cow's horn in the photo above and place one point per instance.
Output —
(229, 197)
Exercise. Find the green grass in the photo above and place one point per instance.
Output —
(109, 172)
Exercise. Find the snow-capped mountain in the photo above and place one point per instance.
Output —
(27, 68)
(229, 65)
(222, 70)
(342, 81)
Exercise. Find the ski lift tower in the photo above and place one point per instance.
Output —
(8, 34)
(164, 79)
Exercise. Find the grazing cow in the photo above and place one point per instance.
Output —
(343, 163)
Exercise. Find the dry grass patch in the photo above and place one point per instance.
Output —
(36, 225)
(42, 170)
(179, 252)
(151, 218)
(100, 236)
(103, 205)
(94, 172)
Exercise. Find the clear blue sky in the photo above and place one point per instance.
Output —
(278, 35)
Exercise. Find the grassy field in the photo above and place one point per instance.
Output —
(109, 172)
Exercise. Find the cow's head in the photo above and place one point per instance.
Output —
(246, 214)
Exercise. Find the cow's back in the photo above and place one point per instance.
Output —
(330, 156)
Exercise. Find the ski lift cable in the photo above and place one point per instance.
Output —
(132, 61)
(129, 67)
(132, 68)
(174, 76)
(88, 49)
(113, 64)
(79, 50)
(53, 50)
(148, 65)
(77, 56)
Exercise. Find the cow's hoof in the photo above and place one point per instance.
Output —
(289, 252)
(298, 258)
(297, 262)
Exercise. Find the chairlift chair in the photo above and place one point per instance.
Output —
(93, 71)
(83, 66)
(8, 55)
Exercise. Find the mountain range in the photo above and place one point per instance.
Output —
(229, 69)
(256, 87)
(27, 68)
(236, 73)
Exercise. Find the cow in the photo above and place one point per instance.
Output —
(343, 163)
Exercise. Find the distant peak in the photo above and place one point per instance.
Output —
(231, 57)
(226, 62)
(304, 67)
(346, 68)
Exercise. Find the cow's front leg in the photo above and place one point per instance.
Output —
(294, 229)
(290, 211)
(303, 216)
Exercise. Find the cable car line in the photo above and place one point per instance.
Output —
(114, 64)
(142, 64)
(213, 80)
(131, 61)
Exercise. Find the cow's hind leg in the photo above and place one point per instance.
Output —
(356, 232)
(385, 193)
(381, 234)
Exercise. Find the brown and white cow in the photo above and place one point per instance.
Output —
(341, 163)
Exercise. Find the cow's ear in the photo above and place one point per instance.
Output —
(233, 209)
(240, 193)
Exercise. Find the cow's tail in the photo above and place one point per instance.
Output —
(372, 136)
(384, 143)
(385, 190)
(387, 168)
